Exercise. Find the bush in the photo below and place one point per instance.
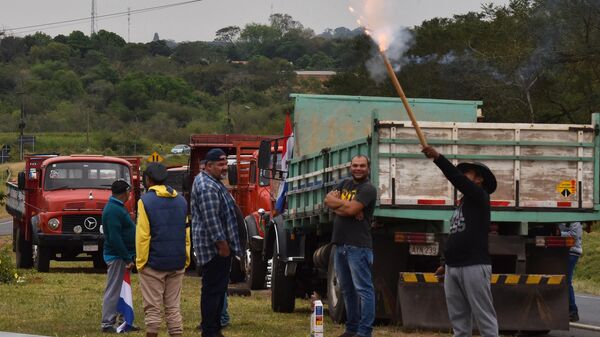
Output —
(8, 271)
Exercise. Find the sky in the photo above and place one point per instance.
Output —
(198, 21)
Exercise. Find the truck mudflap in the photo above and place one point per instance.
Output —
(522, 302)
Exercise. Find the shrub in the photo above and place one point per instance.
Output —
(8, 271)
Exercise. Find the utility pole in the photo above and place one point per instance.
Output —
(93, 28)
(21, 125)
(128, 25)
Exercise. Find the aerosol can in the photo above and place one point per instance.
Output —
(316, 319)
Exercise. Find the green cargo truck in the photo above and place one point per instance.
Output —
(547, 173)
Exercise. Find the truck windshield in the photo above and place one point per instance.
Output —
(73, 175)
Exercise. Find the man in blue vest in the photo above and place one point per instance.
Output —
(163, 251)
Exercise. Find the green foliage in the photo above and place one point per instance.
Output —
(8, 271)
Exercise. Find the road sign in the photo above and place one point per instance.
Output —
(26, 139)
(155, 158)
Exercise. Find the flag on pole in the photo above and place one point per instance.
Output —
(287, 152)
(125, 305)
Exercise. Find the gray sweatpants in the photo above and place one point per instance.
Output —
(112, 292)
(469, 297)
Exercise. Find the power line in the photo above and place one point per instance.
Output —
(56, 24)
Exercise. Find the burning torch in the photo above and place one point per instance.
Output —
(381, 43)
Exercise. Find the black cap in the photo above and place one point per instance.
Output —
(157, 172)
(489, 180)
(119, 187)
(215, 154)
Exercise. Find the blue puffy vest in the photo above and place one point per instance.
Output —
(167, 231)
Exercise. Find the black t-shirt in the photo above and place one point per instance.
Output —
(467, 242)
(350, 230)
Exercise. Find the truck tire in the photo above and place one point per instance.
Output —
(98, 260)
(41, 258)
(237, 274)
(335, 299)
(23, 250)
(254, 266)
(283, 295)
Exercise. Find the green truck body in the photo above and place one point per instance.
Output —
(547, 173)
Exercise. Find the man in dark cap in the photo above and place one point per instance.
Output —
(468, 268)
(163, 251)
(119, 249)
(215, 236)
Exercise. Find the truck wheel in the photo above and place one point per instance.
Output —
(335, 299)
(283, 295)
(23, 250)
(41, 258)
(254, 266)
(98, 260)
(256, 270)
(236, 275)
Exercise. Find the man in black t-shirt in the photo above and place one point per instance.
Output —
(468, 268)
(353, 202)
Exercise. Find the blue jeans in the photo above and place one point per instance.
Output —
(572, 262)
(224, 313)
(353, 269)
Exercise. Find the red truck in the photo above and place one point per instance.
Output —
(250, 188)
(57, 203)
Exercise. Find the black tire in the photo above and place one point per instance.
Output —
(335, 299)
(255, 267)
(283, 295)
(256, 270)
(236, 275)
(23, 250)
(98, 260)
(41, 259)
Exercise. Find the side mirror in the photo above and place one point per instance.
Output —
(232, 174)
(21, 180)
(264, 155)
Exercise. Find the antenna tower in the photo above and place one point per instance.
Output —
(93, 28)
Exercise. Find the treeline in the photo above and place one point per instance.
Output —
(528, 61)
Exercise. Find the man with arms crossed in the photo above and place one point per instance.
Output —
(468, 267)
(353, 202)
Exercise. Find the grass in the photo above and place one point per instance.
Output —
(67, 302)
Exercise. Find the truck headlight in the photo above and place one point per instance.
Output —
(53, 224)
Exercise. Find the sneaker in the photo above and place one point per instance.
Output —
(109, 329)
(573, 317)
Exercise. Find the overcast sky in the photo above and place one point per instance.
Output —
(199, 20)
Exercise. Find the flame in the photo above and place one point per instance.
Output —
(351, 9)
(369, 15)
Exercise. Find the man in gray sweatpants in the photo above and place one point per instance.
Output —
(468, 267)
(119, 250)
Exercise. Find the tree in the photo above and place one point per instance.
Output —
(228, 34)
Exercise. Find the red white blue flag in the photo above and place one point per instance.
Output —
(125, 305)
(288, 150)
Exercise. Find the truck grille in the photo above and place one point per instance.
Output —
(92, 225)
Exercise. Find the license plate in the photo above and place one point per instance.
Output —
(431, 249)
(90, 248)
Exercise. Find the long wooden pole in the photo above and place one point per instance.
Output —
(400, 92)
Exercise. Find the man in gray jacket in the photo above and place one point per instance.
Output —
(574, 230)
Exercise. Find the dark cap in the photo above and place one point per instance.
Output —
(157, 172)
(489, 180)
(215, 154)
(119, 187)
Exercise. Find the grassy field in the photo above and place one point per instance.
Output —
(67, 302)
(587, 271)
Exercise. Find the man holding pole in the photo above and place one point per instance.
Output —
(468, 269)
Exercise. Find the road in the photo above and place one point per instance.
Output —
(6, 226)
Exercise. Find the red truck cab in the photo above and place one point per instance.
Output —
(57, 206)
